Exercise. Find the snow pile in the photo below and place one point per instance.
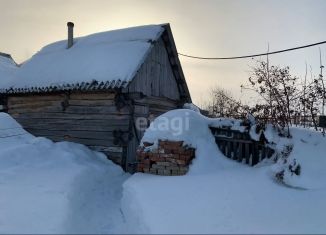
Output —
(7, 70)
(192, 107)
(50, 188)
(108, 56)
(309, 151)
(193, 129)
(220, 195)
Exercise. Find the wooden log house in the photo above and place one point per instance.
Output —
(92, 91)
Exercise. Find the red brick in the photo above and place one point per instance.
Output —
(164, 155)
(155, 158)
(181, 162)
(168, 151)
(182, 157)
(176, 143)
(146, 161)
(171, 160)
(161, 143)
(190, 151)
(163, 163)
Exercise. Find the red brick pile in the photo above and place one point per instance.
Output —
(170, 158)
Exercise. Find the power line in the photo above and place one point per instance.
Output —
(251, 56)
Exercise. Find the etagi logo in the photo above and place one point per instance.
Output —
(174, 125)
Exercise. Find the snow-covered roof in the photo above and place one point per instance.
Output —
(8, 68)
(103, 60)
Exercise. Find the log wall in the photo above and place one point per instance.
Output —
(88, 119)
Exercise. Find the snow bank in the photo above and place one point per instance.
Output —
(51, 188)
(219, 195)
(108, 56)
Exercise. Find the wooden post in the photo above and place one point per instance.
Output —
(247, 152)
(235, 150)
(240, 152)
(255, 154)
(228, 154)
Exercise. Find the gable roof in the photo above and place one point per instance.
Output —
(98, 61)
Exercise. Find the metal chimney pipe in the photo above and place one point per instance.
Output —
(70, 34)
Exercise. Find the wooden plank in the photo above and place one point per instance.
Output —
(92, 96)
(82, 122)
(234, 140)
(240, 152)
(235, 150)
(70, 127)
(108, 102)
(155, 77)
(229, 150)
(110, 149)
(255, 154)
(247, 152)
(12, 100)
(37, 109)
(96, 110)
(35, 104)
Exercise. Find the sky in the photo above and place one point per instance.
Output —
(208, 28)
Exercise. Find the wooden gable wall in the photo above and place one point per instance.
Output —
(155, 77)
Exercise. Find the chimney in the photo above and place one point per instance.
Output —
(70, 34)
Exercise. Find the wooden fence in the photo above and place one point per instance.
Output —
(240, 147)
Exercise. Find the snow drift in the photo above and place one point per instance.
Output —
(48, 187)
(219, 195)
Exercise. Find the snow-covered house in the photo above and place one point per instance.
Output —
(92, 89)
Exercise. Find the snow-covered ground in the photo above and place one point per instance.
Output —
(49, 188)
(219, 195)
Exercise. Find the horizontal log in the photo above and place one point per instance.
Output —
(92, 96)
(35, 104)
(85, 141)
(96, 110)
(70, 127)
(96, 135)
(12, 100)
(104, 123)
(111, 149)
(74, 110)
(108, 102)
(152, 101)
(71, 116)
(59, 115)
(38, 109)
